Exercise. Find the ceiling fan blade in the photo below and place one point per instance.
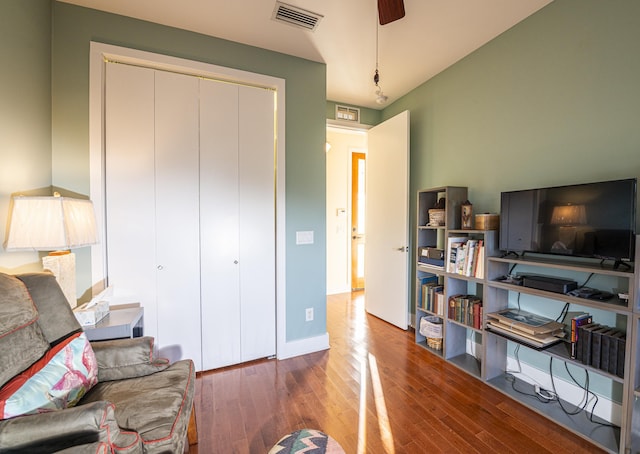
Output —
(390, 10)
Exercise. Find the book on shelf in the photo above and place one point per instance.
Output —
(430, 292)
(580, 340)
(465, 256)
(453, 245)
(584, 338)
(534, 340)
(574, 320)
(596, 345)
(422, 282)
(465, 309)
(527, 322)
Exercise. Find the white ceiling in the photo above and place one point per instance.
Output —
(432, 36)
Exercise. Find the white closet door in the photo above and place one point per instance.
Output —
(219, 224)
(130, 187)
(257, 222)
(177, 216)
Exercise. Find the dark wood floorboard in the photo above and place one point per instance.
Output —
(430, 405)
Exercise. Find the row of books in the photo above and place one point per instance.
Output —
(465, 309)
(465, 256)
(602, 347)
(432, 298)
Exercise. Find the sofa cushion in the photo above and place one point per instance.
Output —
(156, 406)
(21, 340)
(58, 380)
(56, 317)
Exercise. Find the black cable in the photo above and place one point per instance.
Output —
(563, 313)
(588, 279)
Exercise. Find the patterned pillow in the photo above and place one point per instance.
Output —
(58, 380)
(308, 441)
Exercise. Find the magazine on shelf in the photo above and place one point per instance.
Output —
(537, 341)
(527, 322)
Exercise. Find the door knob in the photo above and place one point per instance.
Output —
(403, 249)
(160, 267)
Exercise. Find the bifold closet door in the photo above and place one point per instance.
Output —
(151, 174)
(130, 225)
(237, 223)
(177, 216)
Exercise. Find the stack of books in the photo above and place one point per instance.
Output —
(466, 257)
(602, 347)
(465, 309)
(525, 327)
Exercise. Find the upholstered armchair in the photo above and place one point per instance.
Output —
(61, 393)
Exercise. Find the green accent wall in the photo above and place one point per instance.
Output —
(48, 117)
(25, 112)
(552, 101)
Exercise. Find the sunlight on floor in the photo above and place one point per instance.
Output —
(381, 408)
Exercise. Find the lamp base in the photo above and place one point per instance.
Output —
(63, 266)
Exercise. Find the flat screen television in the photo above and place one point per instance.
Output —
(596, 220)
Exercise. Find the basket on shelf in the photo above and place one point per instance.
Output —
(436, 217)
(431, 328)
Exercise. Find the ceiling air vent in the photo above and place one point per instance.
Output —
(298, 17)
(345, 113)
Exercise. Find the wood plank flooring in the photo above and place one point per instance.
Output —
(374, 391)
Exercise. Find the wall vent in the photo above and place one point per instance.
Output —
(350, 114)
(295, 16)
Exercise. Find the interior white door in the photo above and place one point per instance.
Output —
(177, 216)
(219, 224)
(257, 222)
(130, 228)
(386, 221)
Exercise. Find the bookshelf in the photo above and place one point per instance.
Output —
(489, 356)
(431, 237)
(614, 312)
(464, 342)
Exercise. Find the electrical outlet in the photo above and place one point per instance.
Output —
(309, 314)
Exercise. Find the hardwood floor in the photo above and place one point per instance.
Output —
(374, 391)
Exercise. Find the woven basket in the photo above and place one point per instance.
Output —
(436, 217)
(431, 329)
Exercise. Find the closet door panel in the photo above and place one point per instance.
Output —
(257, 222)
(129, 186)
(177, 216)
(220, 262)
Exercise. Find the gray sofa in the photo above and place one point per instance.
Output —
(114, 396)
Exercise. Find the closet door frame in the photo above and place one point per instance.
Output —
(101, 53)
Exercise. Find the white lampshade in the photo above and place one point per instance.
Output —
(51, 223)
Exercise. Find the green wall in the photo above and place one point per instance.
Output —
(554, 100)
(25, 112)
(48, 84)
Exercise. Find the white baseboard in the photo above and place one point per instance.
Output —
(304, 346)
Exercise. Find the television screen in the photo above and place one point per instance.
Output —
(586, 220)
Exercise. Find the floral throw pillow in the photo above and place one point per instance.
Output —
(58, 380)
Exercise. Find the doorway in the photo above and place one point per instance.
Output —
(346, 149)
(358, 180)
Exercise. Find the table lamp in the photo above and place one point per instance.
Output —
(53, 223)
